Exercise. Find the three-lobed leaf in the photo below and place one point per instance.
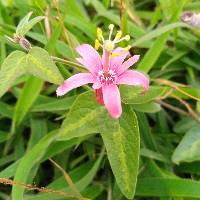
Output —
(121, 138)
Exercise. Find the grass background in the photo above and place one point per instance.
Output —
(168, 121)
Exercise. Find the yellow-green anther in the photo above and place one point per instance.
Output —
(118, 35)
(97, 44)
(111, 26)
(127, 48)
(99, 34)
(127, 37)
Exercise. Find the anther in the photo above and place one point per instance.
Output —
(111, 26)
(127, 48)
(127, 37)
(113, 55)
(97, 44)
(100, 34)
(118, 36)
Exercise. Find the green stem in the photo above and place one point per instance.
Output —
(56, 59)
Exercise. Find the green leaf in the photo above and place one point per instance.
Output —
(6, 110)
(11, 69)
(37, 62)
(125, 131)
(157, 32)
(156, 49)
(40, 64)
(149, 107)
(30, 25)
(38, 130)
(54, 105)
(188, 149)
(28, 161)
(153, 53)
(27, 97)
(3, 136)
(85, 117)
(122, 145)
(23, 22)
(88, 117)
(133, 95)
(153, 155)
(25, 25)
(60, 184)
(168, 187)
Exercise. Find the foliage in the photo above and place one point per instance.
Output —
(150, 152)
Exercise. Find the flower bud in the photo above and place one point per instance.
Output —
(16, 38)
(25, 44)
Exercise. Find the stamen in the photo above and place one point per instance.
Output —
(100, 34)
(126, 37)
(115, 55)
(111, 27)
(118, 36)
(97, 44)
(109, 44)
(127, 48)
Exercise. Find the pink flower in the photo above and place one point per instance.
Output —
(105, 82)
(106, 73)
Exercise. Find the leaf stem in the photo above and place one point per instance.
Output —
(56, 59)
(189, 108)
(68, 180)
(173, 108)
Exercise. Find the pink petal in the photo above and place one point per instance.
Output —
(90, 58)
(96, 85)
(73, 82)
(117, 60)
(128, 63)
(112, 100)
(132, 77)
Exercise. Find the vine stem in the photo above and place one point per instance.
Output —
(68, 180)
(173, 108)
(56, 59)
(189, 108)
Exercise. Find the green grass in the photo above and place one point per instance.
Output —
(151, 152)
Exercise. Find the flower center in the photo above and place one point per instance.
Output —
(107, 78)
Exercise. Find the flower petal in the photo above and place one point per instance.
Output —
(73, 82)
(112, 100)
(96, 85)
(90, 58)
(132, 77)
(128, 63)
(119, 55)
